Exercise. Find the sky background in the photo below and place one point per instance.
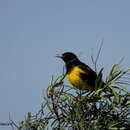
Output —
(32, 32)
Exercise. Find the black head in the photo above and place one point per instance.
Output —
(68, 57)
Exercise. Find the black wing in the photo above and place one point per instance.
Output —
(90, 76)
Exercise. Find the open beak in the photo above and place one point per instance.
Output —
(59, 56)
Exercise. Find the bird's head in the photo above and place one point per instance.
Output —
(67, 57)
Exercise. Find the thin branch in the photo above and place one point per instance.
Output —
(99, 51)
(5, 123)
(94, 61)
(12, 122)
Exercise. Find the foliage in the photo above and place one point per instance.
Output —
(65, 107)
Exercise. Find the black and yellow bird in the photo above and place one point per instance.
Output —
(78, 73)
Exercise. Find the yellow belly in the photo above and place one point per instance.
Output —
(74, 78)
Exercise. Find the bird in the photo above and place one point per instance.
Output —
(79, 74)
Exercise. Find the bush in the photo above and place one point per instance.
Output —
(65, 107)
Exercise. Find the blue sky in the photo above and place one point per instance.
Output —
(33, 32)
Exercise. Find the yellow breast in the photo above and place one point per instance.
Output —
(75, 79)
